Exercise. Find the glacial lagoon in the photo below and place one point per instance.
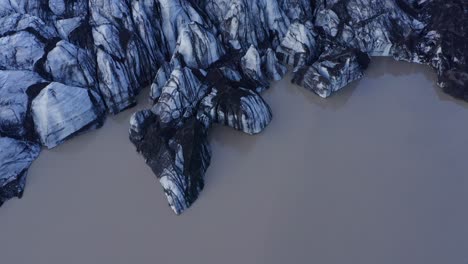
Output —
(377, 173)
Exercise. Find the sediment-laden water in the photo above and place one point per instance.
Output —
(375, 174)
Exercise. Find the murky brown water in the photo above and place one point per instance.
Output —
(375, 174)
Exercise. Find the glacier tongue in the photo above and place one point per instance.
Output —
(65, 64)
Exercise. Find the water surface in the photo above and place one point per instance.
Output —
(376, 174)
